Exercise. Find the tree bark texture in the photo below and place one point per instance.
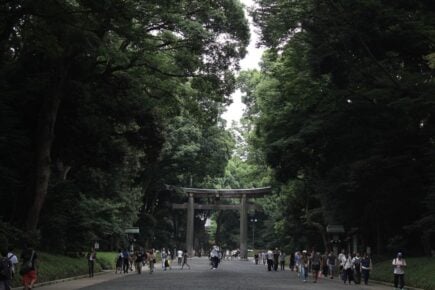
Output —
(43, 144)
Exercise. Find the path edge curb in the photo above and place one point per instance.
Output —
(390, 284)
(52, 282)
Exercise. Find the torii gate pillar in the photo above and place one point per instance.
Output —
(190, 225)
(243, 228)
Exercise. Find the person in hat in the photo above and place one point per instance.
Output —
(399, 265)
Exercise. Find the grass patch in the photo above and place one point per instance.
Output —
(55, 267)
(107, 260)
(419, 272)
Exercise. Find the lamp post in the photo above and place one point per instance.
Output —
(253, 221)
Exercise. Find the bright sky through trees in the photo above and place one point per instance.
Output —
(251, 61)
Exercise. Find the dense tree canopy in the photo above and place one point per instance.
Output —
(344, 104)
(89, 93)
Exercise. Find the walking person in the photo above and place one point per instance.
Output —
(356, 261)
(185, 256)
(316, 260)
(151, 260)
(298, 257)
(281, 259)
(28, 267)
(118, 267)
(163, 256)
(5, 271)
(331, 261)
(269, 260)
(14, 260)
(91, 257)
(275, 259)
(399, 265)
(125, 261)
(264, 257)
(341, 262)
(215, 257)
(366, 266)
(305, 263)
(348, 269)
(138, 261)
(179, 257)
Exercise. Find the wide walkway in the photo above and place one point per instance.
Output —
(230, 275)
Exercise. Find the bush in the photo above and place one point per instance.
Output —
(107, 260)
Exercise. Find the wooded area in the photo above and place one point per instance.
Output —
(104, 103)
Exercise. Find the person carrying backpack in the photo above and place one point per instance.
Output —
(14, 260)
(356, 261)
(5, 271)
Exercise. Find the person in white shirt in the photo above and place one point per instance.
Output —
(14, 261)
(399, 265)
(269, 260)
(341, 260)
(348, 269)
(180, 257)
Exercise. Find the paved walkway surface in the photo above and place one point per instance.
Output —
(230, 275)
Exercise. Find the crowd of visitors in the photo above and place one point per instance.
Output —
(350, 268)
(135, 261)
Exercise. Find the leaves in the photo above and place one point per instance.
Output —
(338, 103)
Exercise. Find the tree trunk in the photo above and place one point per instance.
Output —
(44, 142)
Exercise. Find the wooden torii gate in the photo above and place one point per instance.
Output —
(243, 207)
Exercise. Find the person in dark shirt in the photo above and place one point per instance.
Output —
(185, 256)
(91, 257)
(138, 261)
(5, 271)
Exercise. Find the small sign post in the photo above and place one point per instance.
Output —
(131, 231)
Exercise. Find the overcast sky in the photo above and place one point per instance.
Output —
(235, 110)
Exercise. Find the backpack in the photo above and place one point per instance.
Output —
(5, 269)
(358, 264)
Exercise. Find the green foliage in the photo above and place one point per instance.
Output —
(107, 260)
(193, 154)
(343, 104)
(122, 72)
